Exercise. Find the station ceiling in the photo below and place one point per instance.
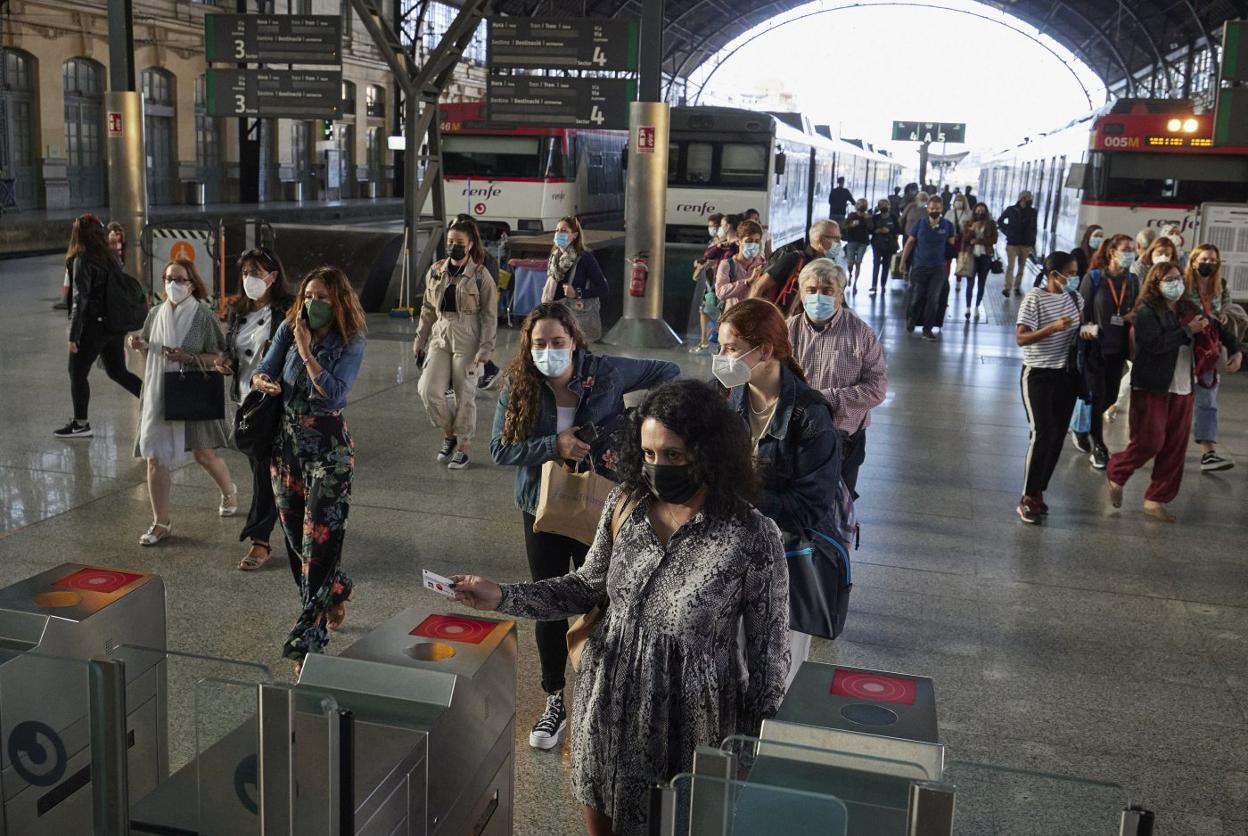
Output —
(1115, 38)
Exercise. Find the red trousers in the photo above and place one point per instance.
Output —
(1161, 423)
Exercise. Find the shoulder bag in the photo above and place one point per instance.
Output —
(256, 423)
(579, 630)
(196, 394)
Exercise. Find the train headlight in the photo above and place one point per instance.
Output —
(1174, 125)
(1190, 125)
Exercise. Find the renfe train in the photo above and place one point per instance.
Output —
(1134, 164)
(524, 179)
(730, 160)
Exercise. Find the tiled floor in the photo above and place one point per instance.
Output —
(1100, 645)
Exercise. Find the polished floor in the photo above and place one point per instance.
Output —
(1101, 645)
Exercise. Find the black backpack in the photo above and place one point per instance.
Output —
(125, 303)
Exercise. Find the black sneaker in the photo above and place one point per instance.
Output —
(1082, 443)
(458, 461)
(448, 449)
(548, 730)
(1099, 457)
(1005, 292)
(929, 336)
(487, 378)
(1211, 461)
(1027, 511)
(1018, 292)
(74, 430)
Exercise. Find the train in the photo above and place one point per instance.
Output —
(728, 160)
(1133, 164)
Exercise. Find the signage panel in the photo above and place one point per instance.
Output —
(566, 102)
(929, 132)
(273, 39)
(562, 43)
(284, 94)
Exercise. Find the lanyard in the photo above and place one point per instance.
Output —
(1118, 295)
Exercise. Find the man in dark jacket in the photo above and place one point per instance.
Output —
(839, 200)
(1018, 222)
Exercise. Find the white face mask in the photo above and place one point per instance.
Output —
(254, 286)
(178, 291)
(551, 362)
(712, 231)
(732, 371)
(1161, 258)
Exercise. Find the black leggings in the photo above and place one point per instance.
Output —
(96, 342)
(549, 557)
(1106, 394)
(1049, 398)
(983, 263)
(882, 262)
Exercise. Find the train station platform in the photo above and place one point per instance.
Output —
(1100, 644)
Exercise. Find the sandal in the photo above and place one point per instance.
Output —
(1159, 512)
(229, 502)
(155, 534)
(254, 559)
(336, 615)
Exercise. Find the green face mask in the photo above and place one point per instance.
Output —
(319, 313)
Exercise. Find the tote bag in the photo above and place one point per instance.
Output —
(570, 503)
(195, 394)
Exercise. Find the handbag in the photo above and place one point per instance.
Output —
(256, 423)
(965, 264)
(995, 266)
(570, 504)
(579, 630)
(194, 394)
(819, 585)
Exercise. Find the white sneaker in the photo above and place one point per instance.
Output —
(229, 502)
(458, 461)
(548, 730)
(979, 314)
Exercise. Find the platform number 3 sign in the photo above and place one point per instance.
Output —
(645, 139)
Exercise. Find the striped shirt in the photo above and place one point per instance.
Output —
(845, 362)
(1039, 308)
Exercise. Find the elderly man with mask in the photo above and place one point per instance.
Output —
(1018, 224)
(778, 282)
(842, 358)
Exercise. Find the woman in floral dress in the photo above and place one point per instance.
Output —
(683, 562)
(312, 362)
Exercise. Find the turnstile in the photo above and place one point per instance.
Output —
(51, 625)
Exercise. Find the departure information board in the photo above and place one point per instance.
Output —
(929, 132)
(561, 102)
(285, 94)
(562, 43)
(273, 39)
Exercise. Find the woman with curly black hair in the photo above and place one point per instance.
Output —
(554, 388)
(684, 566)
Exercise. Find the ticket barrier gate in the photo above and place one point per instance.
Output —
(854, 753)
(51, 626)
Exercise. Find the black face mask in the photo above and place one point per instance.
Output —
(670, 482)
(458, 251)
(1206, 268)
(933, 215)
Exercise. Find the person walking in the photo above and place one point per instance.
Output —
(312, 364)
(1109, 296)
(959, 214)
(88, 264)
(979, 242)
(553, 389)
(1018, 222)
(458, 324)
(839, 200)
(1048, 323)
(1167, 329)
(180, 333)
(929, 276)
(797, 448)
(736, 275)
(857, 234)
(884, 229)
(1093, 237)
(1208, 292)
(489, 370)
(1161, 251)
(914, 212)
(253, 320)
(778, 284)
(574, 277)
(842, 358)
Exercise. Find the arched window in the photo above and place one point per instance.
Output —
(375, 101)
(17, 126)
(159, 142)
(348, 99)
(84, 116)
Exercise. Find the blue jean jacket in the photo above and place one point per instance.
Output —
(600, 383)
(340, 365)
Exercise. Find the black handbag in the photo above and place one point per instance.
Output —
(195, 394)
(995, 266)
(819, 585)
(256, 424)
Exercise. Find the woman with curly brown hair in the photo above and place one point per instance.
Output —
(553, 388)
(313, 361)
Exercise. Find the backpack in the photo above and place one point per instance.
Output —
(125, 303)
(789, 291)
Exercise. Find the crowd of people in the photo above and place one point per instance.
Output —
(730, 498)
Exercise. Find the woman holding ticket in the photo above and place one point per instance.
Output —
(683, 565)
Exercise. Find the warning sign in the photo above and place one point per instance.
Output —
(114, 123)
(645, 139)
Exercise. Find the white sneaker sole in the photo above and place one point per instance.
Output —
(457, 466)
(1216, 466)
(87, 434)
(547, 742)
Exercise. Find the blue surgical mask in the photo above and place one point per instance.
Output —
(751, 249)
(833, 250)
(1126, 259)
(1095, 242)
(819, 307)
(1173, 289)
(552, 362)
(562, 239)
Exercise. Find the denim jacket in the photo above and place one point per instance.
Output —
(600, 384)
(798, 459)
(340, 364)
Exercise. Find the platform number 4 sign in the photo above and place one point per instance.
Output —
(645, 139)
(596, 115)
(600, 57)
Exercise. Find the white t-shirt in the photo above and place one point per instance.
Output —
(249, 345)
(1038, 309)
(565, 415)
(1181, 383)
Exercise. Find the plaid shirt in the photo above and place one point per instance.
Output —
(845, 362)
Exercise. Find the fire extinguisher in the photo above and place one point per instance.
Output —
(637, 282)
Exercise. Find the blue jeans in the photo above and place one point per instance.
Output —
(1205, 416)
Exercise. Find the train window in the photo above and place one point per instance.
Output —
(493, 156)
(743, 165)
(1179, 179)
(699, 162)
(552, 158)
(673, 162)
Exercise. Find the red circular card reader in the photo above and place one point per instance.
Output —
(454, 628)
(98, 580)
(876, 687)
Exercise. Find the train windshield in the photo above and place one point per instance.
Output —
(729, 165)
(1167, 179)
(538, 157)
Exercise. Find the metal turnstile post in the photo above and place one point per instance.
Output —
(709, 801)
(275, 764)
(110, 784)
(931, 809)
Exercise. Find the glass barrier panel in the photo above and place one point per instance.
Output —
(1017, 802)
(748, 749)
(707, 806)
(316, 757)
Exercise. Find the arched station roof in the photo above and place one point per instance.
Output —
(1115, 38)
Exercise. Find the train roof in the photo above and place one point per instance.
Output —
(718, 118)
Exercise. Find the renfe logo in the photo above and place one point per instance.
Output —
(487, 192)
(703, 208)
